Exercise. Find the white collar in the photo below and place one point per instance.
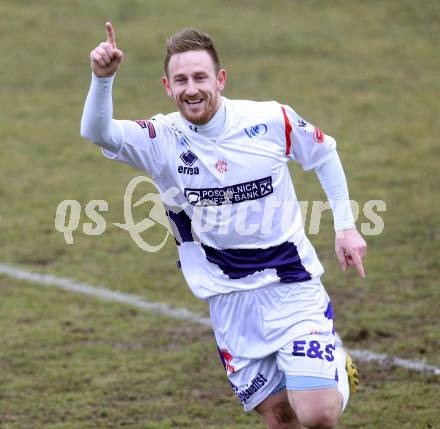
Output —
(213, 128)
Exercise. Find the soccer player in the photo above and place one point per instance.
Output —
(238, 226)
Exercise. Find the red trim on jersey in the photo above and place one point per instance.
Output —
(287, 129)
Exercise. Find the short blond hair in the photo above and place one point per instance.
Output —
(191, 39)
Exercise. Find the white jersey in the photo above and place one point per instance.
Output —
(235, 215)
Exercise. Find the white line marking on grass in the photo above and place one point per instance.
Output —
(182, 313)
(104, 294)
(416, 365)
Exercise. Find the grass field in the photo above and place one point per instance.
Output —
(365, 72)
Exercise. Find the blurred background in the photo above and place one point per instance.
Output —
(365, 72)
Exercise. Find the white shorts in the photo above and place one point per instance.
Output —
(266, 334)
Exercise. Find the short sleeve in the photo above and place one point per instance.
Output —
(147, 145)
(309, 146)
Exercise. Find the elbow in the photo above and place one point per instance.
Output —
(98, 139)
(89, 134)
(85, 132)
(109, 138)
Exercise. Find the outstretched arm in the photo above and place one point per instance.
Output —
(97, 124)
(350, 247)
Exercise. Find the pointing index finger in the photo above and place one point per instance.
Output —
(110, 34)
(358, 264)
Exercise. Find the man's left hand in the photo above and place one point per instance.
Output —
(351, 249)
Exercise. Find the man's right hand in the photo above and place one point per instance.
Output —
(106, 57)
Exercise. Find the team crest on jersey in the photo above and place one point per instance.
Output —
(221, 166)
(256, 130)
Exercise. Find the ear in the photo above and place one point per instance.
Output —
(167, 86)
(221, 79)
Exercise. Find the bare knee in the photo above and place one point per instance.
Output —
(317, 409)
(319, 417)
(282, 416)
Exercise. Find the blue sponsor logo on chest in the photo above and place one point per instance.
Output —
(256, 130)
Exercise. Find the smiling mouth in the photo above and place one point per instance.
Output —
(193, 102)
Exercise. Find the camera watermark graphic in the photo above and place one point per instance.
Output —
(262, 217)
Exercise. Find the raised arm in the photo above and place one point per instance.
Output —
(97, 123)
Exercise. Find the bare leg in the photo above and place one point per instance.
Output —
(278, 413)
